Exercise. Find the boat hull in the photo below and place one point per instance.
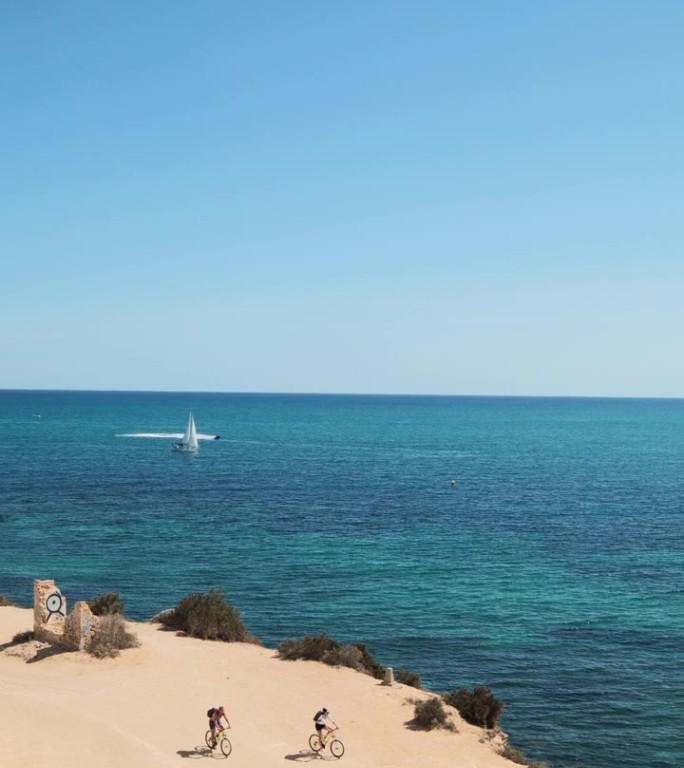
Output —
(182, 448)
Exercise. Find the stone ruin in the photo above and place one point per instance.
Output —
(52, 623)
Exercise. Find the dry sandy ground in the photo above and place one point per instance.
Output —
(147, 708)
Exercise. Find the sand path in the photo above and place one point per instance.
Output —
(147, 708)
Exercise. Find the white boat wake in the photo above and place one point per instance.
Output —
(188, 439)
(167, 435)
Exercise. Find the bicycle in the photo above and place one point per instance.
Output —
(336, 746)
(222, 741)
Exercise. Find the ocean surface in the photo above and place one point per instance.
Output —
(551, 572)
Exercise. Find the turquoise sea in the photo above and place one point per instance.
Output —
(552, 572)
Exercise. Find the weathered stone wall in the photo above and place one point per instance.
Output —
(49, 611)
(80, 625)
(52, 624)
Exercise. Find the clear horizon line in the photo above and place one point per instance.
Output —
(277, 393)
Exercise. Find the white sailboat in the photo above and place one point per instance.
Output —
(188, 443)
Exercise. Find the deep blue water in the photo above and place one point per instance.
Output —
(553, 572)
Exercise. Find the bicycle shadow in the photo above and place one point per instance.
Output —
(197, 752)
(307, 755)
(303, 756)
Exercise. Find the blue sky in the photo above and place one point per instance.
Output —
(319, 196)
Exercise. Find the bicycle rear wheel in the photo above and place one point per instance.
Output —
(336, 748)
(315, 742)
(226, 746)
(207, 738)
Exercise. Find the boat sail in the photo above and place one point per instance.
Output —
(188, 443)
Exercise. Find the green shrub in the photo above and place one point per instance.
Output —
(209, 617)
(430, 714)
(309, 648)
(408, 678)
(5, 601)
(477, 707)
(516, 756)
(370, 664)
(325, 649)
(106, 605)
(110, 637)
(22, 637)
(158, 618)
(345, 656)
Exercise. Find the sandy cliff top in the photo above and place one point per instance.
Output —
(147, 708)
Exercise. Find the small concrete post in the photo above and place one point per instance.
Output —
(389, 676)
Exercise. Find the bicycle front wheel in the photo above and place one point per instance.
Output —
(336, 748)
(226, 746)
(314, 742)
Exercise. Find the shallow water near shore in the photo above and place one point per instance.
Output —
(552, 571)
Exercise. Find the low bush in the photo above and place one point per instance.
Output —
(370, 664)
(516, 756)
(477, 707)
(110, 637)
(345, 656)
(5, 601)
(23, 637)
(158, 617)
(106, 605)
(325, 649)
(430, 714)
(408, 678)
(207, 616)
(309, 648)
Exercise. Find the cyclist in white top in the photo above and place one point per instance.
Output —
(323, 721)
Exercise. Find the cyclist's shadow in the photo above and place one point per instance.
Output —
(195, 753)
(306, 755)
